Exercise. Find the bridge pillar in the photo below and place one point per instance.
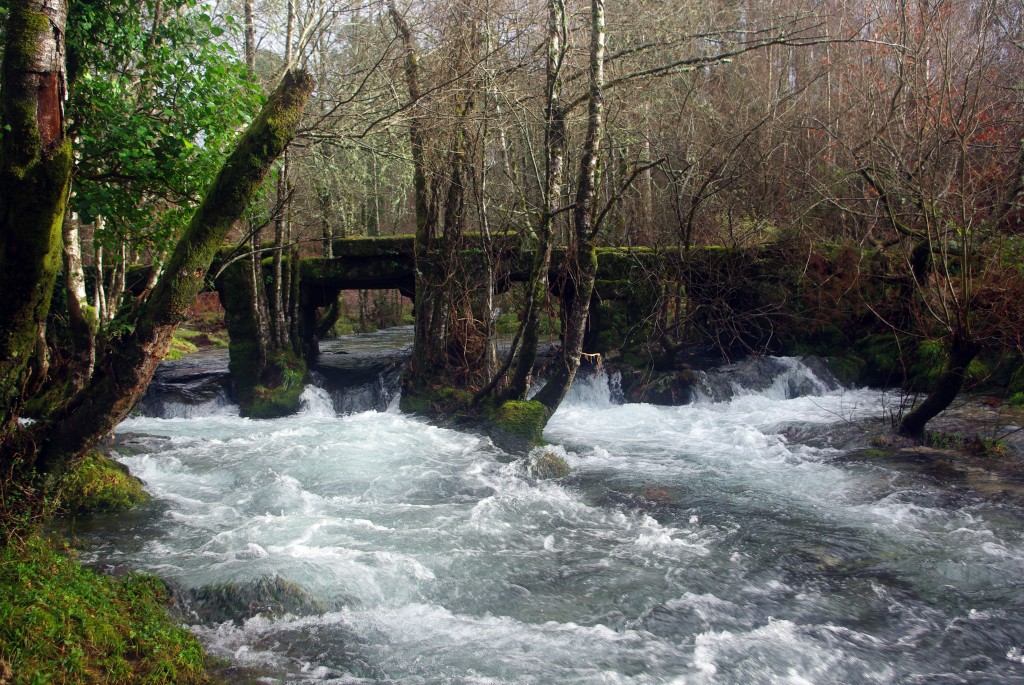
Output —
(307, 331)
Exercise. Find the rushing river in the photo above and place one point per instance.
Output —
(710, 543)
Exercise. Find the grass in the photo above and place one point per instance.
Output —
(946, 441)
(186, 341)
(61, 623)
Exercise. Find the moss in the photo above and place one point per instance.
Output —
(60, 622)
(236, 294)
(848, 368)
(437, 401)
(547, 464)
(1016, 400)
(377, 246)
(1016, 385)
(239, 600)
(284, 381)
(413, 403)
(882, 358)
(522, 419)
(99, 484)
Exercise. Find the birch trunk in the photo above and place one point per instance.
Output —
(35, 165)
(582, 257)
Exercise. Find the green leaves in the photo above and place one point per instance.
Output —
(155, 101)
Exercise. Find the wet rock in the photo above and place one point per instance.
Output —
(720, 383)
(187, 387)
(238, 600)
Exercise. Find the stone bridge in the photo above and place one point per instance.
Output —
(630, 284)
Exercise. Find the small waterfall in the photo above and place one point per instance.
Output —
(161, 403)
(596, 389)
(375, 394)
(797, 379)
(781, 378)
(317, 402)
(701, 391)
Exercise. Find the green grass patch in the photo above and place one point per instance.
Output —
(946, 441)
(62, 623)
(181, 345)
(186, 341)
(99, 484)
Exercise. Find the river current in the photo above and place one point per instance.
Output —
(710, 543)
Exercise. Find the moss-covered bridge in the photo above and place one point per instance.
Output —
(721, 285)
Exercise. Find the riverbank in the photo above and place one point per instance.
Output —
(61, 622)
(974, 448)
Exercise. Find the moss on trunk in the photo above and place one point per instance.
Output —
(35, 165)
(961, 352)
(127, 362)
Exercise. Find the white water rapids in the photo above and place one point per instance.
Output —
(701, 544)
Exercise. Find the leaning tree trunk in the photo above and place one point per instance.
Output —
(35, 165)
(962, 351)
(125, 364)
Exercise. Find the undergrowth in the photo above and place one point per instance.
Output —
(62, 623)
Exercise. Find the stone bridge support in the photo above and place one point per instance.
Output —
(630, 289)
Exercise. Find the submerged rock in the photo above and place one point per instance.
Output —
(545, 463)
(239, 600)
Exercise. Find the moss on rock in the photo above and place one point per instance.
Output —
(546, 464)
(284, 381)
(240, 600)
(98, 485)
(522, 420)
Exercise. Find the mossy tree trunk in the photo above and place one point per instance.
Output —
(126, 362)
(962, 351)
(35, 165)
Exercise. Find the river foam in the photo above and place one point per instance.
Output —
(696, 544)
